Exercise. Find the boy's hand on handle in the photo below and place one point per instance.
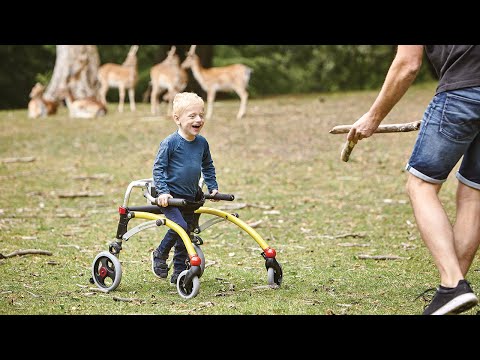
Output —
(212, 193)
(162, 200)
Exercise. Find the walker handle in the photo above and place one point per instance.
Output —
(219, 196)
(171, 201)
(177, 202)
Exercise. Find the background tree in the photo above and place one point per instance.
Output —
(80, 62)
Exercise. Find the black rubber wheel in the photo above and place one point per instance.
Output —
(187, 291)
(106, 271)
(274, 278)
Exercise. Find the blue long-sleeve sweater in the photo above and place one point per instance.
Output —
(180, 163)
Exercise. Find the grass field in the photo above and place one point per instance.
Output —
(280, 157)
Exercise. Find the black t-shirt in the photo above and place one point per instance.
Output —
(457, 66)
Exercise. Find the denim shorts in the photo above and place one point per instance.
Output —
(450, 129)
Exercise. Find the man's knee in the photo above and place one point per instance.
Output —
(465, 192)
(411, 184)
(415, 184)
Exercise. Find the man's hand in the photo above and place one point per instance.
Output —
(362, 128)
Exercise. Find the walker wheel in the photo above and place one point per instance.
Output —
(200, 254)
(106, 271)
(274, 278)
(187, 291)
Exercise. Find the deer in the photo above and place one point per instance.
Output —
(85, 108)
(38, 106)
(124, 76)
(167, 75)
(223, 78)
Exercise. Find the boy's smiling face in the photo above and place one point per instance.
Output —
(190, 121)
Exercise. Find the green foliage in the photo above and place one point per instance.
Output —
(280, 69)
(277, 69)
(22, 66)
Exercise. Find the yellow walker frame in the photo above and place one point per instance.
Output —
(107, 270)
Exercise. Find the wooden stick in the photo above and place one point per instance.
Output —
(18, 159)
(387, 128)
(80, 194)
(353, 245)
(347, 150)
(99, 290)
(94, 177)
(25, 252)
(382, 257)
(255, 224)
(116, 298)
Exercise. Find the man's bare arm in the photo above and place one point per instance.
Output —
(401, 74)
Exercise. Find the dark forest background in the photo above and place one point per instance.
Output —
(277, 69)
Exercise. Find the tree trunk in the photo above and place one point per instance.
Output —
(76, 68)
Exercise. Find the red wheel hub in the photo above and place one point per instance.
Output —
(195, 260)
(270, 253)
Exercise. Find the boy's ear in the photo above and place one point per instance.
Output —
(176, 118)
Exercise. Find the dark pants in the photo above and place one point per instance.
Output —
(185, 219)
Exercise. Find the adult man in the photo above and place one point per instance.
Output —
(450, 129)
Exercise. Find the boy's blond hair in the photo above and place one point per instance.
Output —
(182, 100)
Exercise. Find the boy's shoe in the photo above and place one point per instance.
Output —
(159, 265)
(449, 301)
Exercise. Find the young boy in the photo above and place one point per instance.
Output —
(181, 160)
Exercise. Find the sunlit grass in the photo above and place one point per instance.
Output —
(280, 155)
